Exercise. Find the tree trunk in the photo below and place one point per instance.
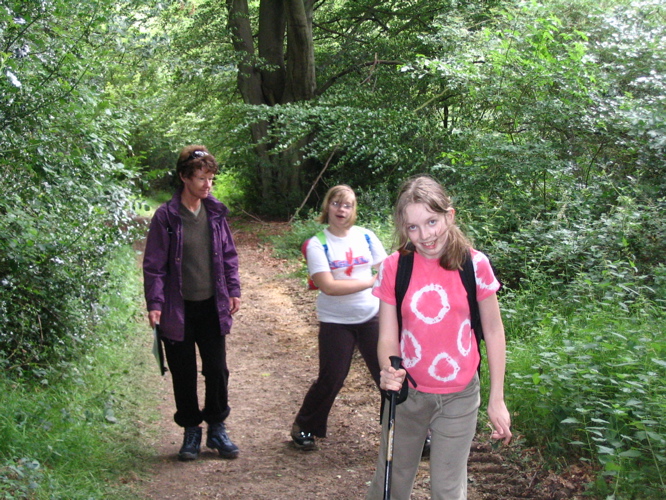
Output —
(275, 78)
(272, 25)
(301, 82)
(249, 77)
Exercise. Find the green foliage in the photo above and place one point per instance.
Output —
(67, 175)
(348, 138)
(363, 119)
(20, 478)
(70, 431)
(549, 167)
(289, 244)
(591, 384)
(581, 237)
(230, 188)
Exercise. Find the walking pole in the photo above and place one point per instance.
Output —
(395, 363)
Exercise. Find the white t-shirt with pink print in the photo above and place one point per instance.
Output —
(437, 344)
(351, 257)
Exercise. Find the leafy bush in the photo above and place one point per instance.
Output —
(68, 178)
(591, 387)
(70, 431)
(55, 245)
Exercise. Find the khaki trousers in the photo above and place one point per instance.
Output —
(451, 419)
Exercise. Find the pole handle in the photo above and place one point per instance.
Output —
(395, 361)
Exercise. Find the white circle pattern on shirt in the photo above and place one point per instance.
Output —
(409, 345)
(434, 370)
(465, 333)
(486, 286)
(444, 300)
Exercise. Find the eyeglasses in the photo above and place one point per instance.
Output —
(346, 206)
(196, 154)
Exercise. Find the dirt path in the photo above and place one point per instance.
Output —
(273, 360)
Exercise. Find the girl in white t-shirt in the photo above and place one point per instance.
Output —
(346, 308)
(437, 346)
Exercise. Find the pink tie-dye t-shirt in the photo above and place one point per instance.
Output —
(437, 344)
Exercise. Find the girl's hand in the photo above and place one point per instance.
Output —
(391, 379)
(500, 421)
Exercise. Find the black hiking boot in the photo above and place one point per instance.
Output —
(302, 440)
(219, 440)
(191, 444)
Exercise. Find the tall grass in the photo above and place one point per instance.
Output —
(72, 431)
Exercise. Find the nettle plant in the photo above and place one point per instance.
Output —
(594, 391)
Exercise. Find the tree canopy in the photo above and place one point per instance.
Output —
(397, 87)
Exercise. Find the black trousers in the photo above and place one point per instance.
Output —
(202, 330)
(336, 348)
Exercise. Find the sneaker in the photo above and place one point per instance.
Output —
(191, 444)
(302, 440)
(219, 440)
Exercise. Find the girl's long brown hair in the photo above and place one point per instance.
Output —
(426, 190)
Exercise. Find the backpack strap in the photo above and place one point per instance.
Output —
(322, 239)
(468, 278)
(402, 278)
(367, 238)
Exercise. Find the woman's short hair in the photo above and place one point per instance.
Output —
(192, 158)
(341, 193)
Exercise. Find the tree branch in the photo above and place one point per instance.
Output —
(352, 69)
(335, 149)
(443, 96)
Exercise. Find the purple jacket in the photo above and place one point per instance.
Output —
(162, 269)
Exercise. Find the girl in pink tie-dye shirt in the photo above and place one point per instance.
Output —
(437, 346)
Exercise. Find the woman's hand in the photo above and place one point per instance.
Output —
(154, 318)
(234, 304)
(391, 379)
(500, 420)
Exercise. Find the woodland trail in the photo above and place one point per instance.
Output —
(272, 355)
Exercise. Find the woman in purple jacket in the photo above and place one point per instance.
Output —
(192, 289)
